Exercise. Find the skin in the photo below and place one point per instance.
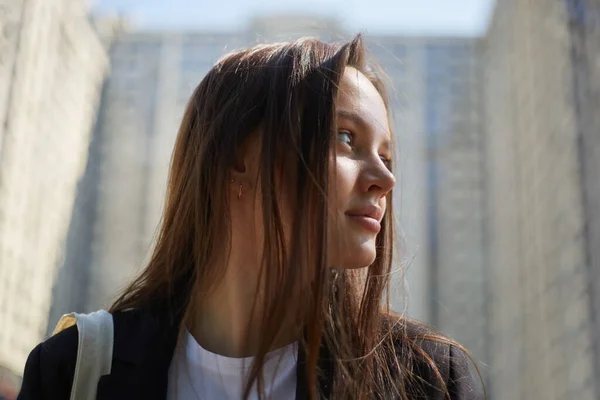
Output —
(359, 183)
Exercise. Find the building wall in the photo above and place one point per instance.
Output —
(10, 18)
(125, 125)
(540, 311)
(584, 19)
(59, 66)
(506, 318)
(72, 283)
(456, 191)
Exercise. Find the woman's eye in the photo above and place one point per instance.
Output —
(387, 161)
(345, 137)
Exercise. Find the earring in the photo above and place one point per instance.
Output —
(335, 274)
(240, 192)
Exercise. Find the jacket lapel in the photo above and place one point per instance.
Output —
(301, 381)
(324, 373)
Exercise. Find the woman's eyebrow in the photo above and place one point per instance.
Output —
(362, 122)
(354, 117)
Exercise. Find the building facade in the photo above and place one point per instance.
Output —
(49, 104)
(456, 192)
(542, 320)
(584, 19)
(10, 18)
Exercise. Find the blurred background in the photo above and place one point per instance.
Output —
(499, 159)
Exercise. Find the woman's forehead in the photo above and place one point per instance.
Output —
(357, 95)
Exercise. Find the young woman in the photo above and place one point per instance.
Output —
(270, 271)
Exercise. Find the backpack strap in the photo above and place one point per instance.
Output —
(94, 351)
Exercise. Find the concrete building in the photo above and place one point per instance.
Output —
(10, 18)
(584, 18)
(456, 192)
(72, 283)
(48, 99)
(540, 220)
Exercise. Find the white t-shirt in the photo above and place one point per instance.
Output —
(197, 374)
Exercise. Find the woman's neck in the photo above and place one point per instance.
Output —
(227, 320)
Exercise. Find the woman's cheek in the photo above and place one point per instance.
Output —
(345, 175)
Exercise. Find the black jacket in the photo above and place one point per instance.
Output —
(144, 345)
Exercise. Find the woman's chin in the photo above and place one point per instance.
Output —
(361, 257)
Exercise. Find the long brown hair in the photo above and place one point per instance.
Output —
(287, 89)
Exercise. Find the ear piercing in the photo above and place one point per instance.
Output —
(239, 195)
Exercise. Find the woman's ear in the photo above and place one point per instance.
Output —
(247, 160)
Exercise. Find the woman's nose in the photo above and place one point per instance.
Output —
(378, 178)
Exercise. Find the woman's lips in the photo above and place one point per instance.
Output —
(368, 216)
(368, 223)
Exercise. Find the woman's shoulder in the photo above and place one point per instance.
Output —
(433, 357)
(50, 366)
(62, 344)
(411, 333)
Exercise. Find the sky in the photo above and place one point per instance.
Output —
(427, 17)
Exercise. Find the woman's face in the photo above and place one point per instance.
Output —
(359, 182)
(361, 177)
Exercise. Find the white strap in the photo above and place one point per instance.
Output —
(94, 354)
